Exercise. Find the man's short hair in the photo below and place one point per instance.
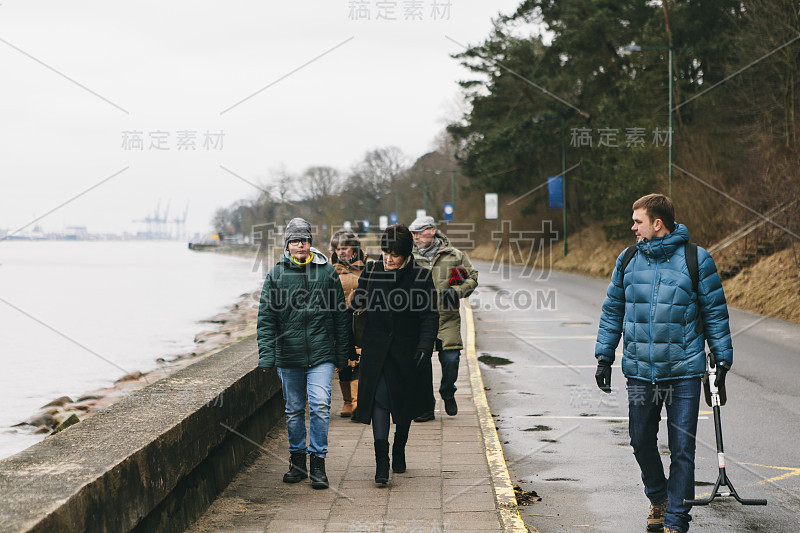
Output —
(345, 238)
(657, 206)
(398, 240)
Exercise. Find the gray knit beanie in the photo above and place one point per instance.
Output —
(297, 229)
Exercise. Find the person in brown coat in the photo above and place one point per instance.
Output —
(402, 323)
(349, 260)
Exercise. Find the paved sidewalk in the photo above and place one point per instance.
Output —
(456, 479)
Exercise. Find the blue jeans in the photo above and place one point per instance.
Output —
(682, 399)
(313, 384)
(449, 361)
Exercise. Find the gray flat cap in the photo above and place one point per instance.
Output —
(422, 223)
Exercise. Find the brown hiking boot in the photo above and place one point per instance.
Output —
(354, 393)
(347, 409)
(670, 530)
(655, 520)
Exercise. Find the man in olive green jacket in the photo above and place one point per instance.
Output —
(455, 278)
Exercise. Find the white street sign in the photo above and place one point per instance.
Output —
(491, 206)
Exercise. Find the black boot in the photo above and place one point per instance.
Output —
(382, 461)
(318, 478)
(297, 469)
(399, 451)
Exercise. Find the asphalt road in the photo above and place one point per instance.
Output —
(568, 441)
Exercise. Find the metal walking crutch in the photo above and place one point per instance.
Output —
(715, 400)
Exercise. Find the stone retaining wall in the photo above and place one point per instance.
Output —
(151, 462)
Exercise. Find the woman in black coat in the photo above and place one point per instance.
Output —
(402, 323)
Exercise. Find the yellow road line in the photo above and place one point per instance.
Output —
(791, 472)
(503, 489)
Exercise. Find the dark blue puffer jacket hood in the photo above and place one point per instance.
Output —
(664, 247)
(656, 310)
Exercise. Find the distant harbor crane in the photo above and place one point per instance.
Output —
(159, 226)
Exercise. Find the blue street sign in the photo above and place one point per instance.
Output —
(392, 219)
(555, 198)
(448, 212)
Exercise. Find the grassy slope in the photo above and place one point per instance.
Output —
(770, 287)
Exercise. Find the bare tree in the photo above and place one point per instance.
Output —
(318, 189)
(374, 180)
(222, 220)
(317, 185)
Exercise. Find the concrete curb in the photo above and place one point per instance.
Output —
(152, 461)
(503, 489)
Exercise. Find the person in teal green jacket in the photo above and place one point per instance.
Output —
(303, 329)
(664, 325)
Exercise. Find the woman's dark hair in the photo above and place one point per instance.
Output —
(397, 239)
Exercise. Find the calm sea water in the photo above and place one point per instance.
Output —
(76, 316)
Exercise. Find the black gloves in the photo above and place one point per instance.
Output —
(719, 382)
(603, 375)
(420, 357)
(450, 299)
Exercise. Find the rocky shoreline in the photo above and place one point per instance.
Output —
(230, 326)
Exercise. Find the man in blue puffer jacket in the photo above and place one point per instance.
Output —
(655, 310)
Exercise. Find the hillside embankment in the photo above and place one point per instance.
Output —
(769, 287)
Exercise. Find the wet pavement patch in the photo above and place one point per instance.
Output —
(492, 360)
(588, 414)
(561, 479)
(548, 440)
(539, 427)
(525, 497)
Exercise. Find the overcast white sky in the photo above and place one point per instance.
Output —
(180, 66)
